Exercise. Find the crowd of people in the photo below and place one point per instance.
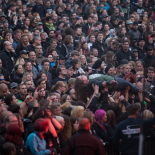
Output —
(76, 75)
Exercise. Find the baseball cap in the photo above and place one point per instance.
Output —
(13, 85)
(96, 29)
(129, 22)
(39, 23)
(134, 50)
(149, 48)
(2, 14)
(23, 52)
(60, 57)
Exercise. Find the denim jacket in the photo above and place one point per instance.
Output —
(36, 145)
(35, 71)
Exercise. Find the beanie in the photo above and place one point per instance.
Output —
(97, 64)
(107, 68)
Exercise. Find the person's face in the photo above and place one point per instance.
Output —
(106, 27)
(54, 54)
(140, 2)
(43, 36)
(23, 90)
(54, 44)
(12, 120)
(150, 52)
(68, 99)
(115, 47)
(43, 84)
(32, 56)
(38, 49)
(25, 40)
(28, 67)
(92, 39)
(89, 70)
(125, 46)
(77, 65)
(22, 62)
(38, 41)
(89, 20)
(47, 4)
(68, 7)
(110, 71)
(63, 71)
(46, 66)
(100, 37)
(150, 74)
(116, 12)
(104, 118)
(85, 46)
(72, 93)
(114, 3)
(83, 60)
(79, 32)
(140, 85)
(76, 125)
(43, 76)
(3, 91)
(41, 92)
(20, 69)
(40, 27)
(95, 52)
(139, 67)
(131, 66)
(36, 33)
(96, 18)
(51, 34)
(29, 84)
(14, 90)
(127, 69)
(61, 62)
(59, 38)
(14, 100)
(70, 71)
(58, 111)
(123, 31)
(17, 36)
(135, 26)
(8, 36)
(141, 43)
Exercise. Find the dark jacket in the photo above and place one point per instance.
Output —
(148, 60)
(100, 132)
(86, 27)
(83, 143)
(120, 55)
(100, 47)
(40, 9)
(17, 78)
(129, 131)
(8, 60)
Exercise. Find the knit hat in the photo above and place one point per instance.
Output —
(123, 61)
(107, 68)
(97, 64)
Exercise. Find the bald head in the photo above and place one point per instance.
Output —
(3, 90)
(84, 79)
(84, 124)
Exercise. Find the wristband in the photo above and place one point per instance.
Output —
(96, 95)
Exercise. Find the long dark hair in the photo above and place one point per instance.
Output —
(111, 119)
(80, 90)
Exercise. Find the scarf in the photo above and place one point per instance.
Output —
(50, 26)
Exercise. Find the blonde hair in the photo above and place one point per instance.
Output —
(65, 105)
(89, 115)
(77, 112)
(133, 63)
(18, 62)
(80, 60)
(147, 114)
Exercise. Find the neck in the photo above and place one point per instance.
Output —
(141, 47)
(39, 54)
(125, 50)
(41, 97)
(8, 50)
(61, 76)
(24, 45)
(100, 41)
(150, 78)
(132, 116)
(59, 91)
(33, 62)
(22, 96)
